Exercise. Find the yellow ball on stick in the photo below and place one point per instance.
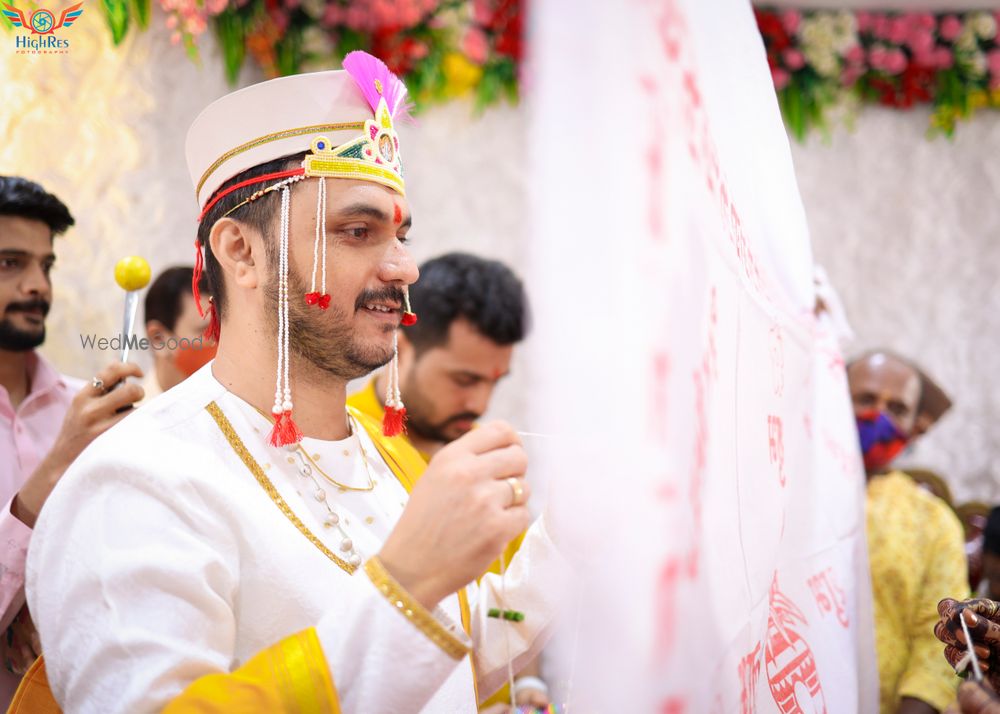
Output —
(132, 273)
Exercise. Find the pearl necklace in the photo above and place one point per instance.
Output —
(333, 519)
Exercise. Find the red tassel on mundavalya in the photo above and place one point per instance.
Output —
(199, 266)
(393, 423)
(213, 330)
(285, 431)
(409, 318)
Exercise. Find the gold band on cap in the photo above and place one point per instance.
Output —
(277, 136)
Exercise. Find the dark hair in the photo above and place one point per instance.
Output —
(259, 215)
(163, 300)
(20, 197)
(459, 285)
(991, 534)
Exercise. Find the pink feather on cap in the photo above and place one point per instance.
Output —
(367, 70)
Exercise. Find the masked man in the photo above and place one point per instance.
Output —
(915, 542)
(246, 542)
(175, 326)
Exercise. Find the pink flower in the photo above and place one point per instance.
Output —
(850, 75)
(855, 55)
(898, 30)
(951, 28)
(475, 46)
(920, 40)
(175, 38)
(196, 25)
(895, 62)
(925, 59)
(864, 20)
(780, 77)
(356, 18)
(993, 62)
(482, 12)
(333, 15)
(880, 26)
(791, 19)
(923, 21)
(214, 7)
(172, 22)
(280, 20)
(877, 57)
(793, 59)
(943, 58)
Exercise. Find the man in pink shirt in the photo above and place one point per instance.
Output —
(46, 419)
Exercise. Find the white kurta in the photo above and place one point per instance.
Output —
(159, 559)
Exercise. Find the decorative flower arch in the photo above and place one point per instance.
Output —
(825, 62)
(443, 48)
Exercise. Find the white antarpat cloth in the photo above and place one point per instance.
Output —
(711, 460)
(160, 559)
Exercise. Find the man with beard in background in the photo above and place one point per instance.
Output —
(472, 313)
(46, 418)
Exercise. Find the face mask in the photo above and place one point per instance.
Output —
(881, 441)
(189, 360)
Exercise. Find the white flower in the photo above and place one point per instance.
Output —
(984, 25)
(825, 64)
(967, 40)
(976, 63)
(314, 8)
(844, 28)
(316, 42)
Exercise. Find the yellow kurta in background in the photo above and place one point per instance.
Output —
(367, 402)
(917, 556)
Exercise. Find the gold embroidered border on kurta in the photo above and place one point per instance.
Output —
(413, 611)
(241, 450)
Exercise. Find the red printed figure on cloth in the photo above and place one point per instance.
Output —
(829, 595)
(776, 445)
(791, 666)
(749, 673)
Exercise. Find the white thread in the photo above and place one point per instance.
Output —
(285, 218)
(282, 255)
(319, 211)
(970, 648)
(322, 190)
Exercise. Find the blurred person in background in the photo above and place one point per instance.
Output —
(915, 541)
(175, 330)
(471, 312)
(46, 418)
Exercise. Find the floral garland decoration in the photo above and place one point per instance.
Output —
(824, 62)
(442, 48)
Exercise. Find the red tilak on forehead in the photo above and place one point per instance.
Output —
(398, 215)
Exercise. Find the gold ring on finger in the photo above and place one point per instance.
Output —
(517, 491)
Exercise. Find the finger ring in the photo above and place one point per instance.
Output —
(516, 491)
(98, 384)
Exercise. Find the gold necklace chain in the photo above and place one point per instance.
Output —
(364, 458)
(356, 428)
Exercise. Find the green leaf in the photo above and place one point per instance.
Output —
(289, 52)
(142, 12)
(117, 14)
(230, 31)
